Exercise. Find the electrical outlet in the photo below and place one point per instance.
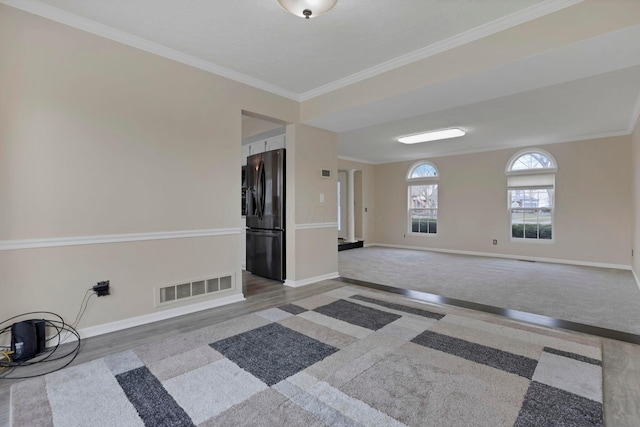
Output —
(495, 241)
(101, 288)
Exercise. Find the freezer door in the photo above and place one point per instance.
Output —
(265, 253)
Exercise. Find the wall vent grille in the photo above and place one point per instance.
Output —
(190, 290)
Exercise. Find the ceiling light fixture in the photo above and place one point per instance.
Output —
(431, 136)
(307, 8)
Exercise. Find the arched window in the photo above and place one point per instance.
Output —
(422, 190)
(531, 176)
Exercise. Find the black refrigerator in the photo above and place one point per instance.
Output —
(265, 177)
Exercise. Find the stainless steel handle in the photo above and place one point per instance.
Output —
(261, 190)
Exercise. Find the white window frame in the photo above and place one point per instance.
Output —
(427, 180)
(526, 179)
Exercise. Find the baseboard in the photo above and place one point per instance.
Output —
(119, 325)
(517, 257)
(350, 245)
(309, 281)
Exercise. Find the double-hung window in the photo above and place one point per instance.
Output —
(531, 195)
(422, 186)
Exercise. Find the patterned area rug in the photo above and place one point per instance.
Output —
(345, 357)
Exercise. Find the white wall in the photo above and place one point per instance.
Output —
(314, 221)
(101, 139)
(635, 142)
(252, 126)
(593, 212)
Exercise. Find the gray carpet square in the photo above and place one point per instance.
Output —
(400, 307)
(521, 332)
(265, 409)
(273, 353)
(325, 413)
(184, 362)
(574, 356)
(337, 325)
(206, 392)
(490, 339)
(292, 308)
(123, 362)
(546, 406)
(419, 386)
(568, 374)
(357, 314)
(87, 395)
(35, 409)
(316, 301)
(274, 314)
(318, 332)
(154, 405)
(305, 389)
(505, 361)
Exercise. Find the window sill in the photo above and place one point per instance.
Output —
(534, 241)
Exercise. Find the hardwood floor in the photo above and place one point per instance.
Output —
(260, 294)
(621, 361)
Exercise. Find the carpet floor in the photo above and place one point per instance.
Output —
(602, 297)
(345, 357)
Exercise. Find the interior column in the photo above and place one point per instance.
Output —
(351, 205)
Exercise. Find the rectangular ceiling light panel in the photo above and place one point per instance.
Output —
(432, 136)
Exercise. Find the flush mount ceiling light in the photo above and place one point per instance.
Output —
(431, 136)
(307, 8)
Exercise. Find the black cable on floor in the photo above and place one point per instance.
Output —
(52, 353)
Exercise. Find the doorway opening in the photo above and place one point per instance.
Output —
(350, 209)
(263, 187)
(342, 205)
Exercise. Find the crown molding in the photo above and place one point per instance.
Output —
(36, 7)
(469, 36)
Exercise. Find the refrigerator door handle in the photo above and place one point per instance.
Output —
(261, 190)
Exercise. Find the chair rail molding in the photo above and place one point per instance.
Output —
(9, 245)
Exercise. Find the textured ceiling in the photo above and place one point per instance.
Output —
(575, 89)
